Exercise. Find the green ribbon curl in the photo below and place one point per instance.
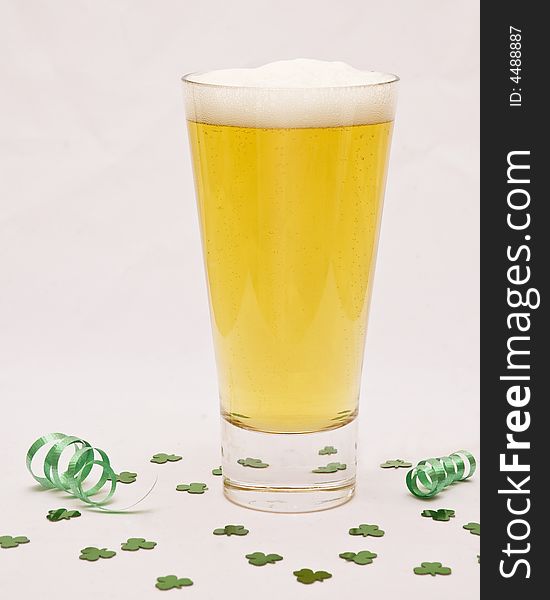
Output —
(79, 467)
(432, 475)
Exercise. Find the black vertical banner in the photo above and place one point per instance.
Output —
(515, 267)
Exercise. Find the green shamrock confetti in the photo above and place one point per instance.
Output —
(260, 559)
(342, 415)
(126, 477)
(441, 514)
(432, 568)
(360, 558)
(192, 488)
(365, 529)
(331, 468)
(217, 471)
(7, 541)
(134, 544)
(238, 415)
(169, 582)
(60, 514)
(162, 458)
(328, 450)
(255, 463)
(473, 528)
(308, 576)
(231, 530)
(396, 464)
(91, 553)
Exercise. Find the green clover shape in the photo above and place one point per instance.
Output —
(60, 514)
(441, 514)
(217, 471)
(92, 553)
(473, 528)
(260, 559)
(341, 415)
(432, 568)
(331, 468)
(231, 530)
(162, 458)
(328, 450)
(365, 529)
(308, 576)
(126, 477)
(396, 464)
(360, 558)
(192, 488)
(7, 541)
(169, 582)
(133, 544)
(255, 463)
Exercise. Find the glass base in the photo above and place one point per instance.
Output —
(285, 472)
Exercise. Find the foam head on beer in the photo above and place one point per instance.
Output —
(310, 93)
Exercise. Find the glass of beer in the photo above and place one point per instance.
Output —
(290, 164)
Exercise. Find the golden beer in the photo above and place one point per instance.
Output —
(290, 165)
(289, 220)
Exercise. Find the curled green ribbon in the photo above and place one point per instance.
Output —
(432, 475)
(80, 465)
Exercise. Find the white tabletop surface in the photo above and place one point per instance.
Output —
(104, 329)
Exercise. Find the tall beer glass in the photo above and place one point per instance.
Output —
(290, 184)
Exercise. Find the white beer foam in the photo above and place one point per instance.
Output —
(291, 93)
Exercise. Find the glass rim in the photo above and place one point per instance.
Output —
(186, 80)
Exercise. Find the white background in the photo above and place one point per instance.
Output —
(104, 327)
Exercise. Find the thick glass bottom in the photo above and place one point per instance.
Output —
(281, 472)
